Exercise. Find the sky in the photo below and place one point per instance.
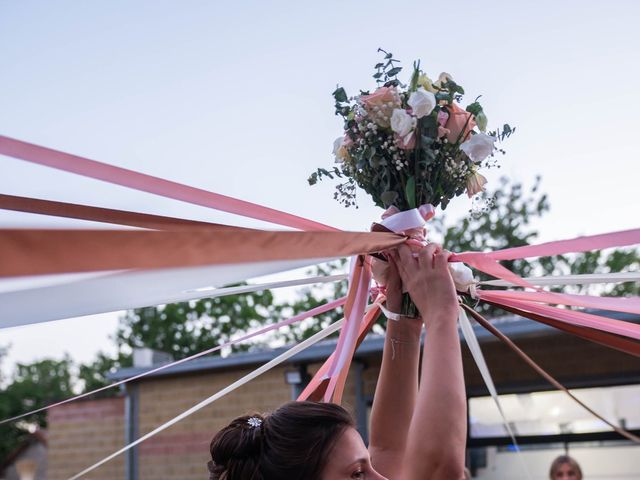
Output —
(235, 98)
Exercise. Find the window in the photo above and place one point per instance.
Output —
(554, 413)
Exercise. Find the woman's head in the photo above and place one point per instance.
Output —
(565, 467)
(293, 442)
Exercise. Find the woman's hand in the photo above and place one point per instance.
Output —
(428, 281)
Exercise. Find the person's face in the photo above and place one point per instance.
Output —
(566, 472)
(349, 459)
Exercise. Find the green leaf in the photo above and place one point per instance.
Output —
(394, 71)
(410, 192)
(340, 95)
(474, 108)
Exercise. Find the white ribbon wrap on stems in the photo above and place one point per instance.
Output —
(403, 221)
(235, 385)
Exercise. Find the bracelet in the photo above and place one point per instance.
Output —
(394, 316)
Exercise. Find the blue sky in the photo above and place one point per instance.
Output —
(235, 98)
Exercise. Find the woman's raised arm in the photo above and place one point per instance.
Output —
(437, 435)
(397, 387)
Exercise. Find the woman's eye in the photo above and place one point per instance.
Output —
(357, 475)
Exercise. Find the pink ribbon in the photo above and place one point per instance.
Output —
(618, 304)
(301, 316)
(572, 317)
(354, 314)
(575, 245)
(147, 183)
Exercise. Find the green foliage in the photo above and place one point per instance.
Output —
(425, 164)
(311, 297)
(94, 375)
(32, 386)
(185, 328)
(507, 221)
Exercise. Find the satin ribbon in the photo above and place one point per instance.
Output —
(581, 279)
(359, 282)
(495, 332)
(297, 318)
(619, 304)
(37, 252)
(137, 289)
(147, 183)
(610, 340)
(576, 245)
(476, 352)
(97, 214)
(572, 317)
(225, 391)
(317, 387)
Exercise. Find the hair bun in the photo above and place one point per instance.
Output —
(236, 449)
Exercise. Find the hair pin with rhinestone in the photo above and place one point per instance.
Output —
(254, 422)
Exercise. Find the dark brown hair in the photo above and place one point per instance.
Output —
(293, 442)
(561, 460)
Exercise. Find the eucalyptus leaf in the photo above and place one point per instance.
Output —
(340, 95)
(394, 71)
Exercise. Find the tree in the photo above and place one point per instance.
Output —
(32, 386)
(507, 222)
(94, 375)
(183, 329)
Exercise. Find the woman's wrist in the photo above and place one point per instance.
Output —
(405, 329)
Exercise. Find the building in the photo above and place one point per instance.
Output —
(83, 432)
(29, 459)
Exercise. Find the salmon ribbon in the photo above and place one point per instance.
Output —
(168, 243)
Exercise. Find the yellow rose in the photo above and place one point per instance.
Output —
(426, 83)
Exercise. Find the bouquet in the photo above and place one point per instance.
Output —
(411, 145)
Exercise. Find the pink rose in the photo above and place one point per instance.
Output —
(443, 132)
(380, 104)
(458, 121)
(443, 116)
(381, 95)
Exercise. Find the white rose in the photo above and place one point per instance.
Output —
(401, 122)
(478, 147)
(422, 102)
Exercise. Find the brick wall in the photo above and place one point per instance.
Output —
(181, 452)
(83, 432)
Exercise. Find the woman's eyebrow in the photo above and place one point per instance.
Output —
(359, 461)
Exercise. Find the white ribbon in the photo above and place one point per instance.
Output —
(584, 279)
(134, 289)
(405, 220)
(235, 385)
(476, 352)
